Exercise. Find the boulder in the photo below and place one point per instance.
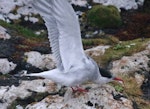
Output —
(40, 61)
(6, 66)
(131, 64)
(26, 88)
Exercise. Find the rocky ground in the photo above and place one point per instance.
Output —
(33, 93)
(129, 59)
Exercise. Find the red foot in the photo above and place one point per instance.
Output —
(78, 89)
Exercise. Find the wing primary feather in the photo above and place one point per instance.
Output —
(70, 43)
(63, 32)
(45, 10)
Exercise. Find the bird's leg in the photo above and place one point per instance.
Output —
(78, 89)
(81, 89)
(73, 90)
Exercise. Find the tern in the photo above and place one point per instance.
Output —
(73, 66)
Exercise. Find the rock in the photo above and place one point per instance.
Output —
(96, 51)
(78, 2)
(131, 64)
(26, 88)
(139, 79)
(3, 33)
(40, 61)
(98, 98)
(6, 66)
(14, 9)
(126, 4)
(19, 107)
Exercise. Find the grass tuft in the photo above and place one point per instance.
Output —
(20, 30)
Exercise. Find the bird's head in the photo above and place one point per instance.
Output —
(108, 76)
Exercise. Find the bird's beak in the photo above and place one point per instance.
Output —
(118, 79)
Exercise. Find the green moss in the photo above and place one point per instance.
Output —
(119, 88)
(104, 16)
(20, 30)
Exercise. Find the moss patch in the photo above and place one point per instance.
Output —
(18, 30)
(104, 16)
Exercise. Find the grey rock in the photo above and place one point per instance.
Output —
(6, 66)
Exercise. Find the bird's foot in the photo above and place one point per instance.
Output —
(78, 89)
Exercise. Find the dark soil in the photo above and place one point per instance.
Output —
(146, 87)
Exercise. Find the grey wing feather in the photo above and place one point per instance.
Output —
(45, 10)
(71, 48)
(64, 32)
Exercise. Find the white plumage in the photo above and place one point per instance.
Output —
(73, 66)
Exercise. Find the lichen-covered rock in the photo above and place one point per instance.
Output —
(9, 94)
(102, 97)
(6, 66)
(97, 98)
(137, 65)
(38, 60)
(131, 64)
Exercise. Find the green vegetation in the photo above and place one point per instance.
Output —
(118, 50)
(104, 16)
(131, 90)
(118, 88)
(20, 30)
(106, 40)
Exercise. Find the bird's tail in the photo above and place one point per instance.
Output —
(52, 74)
(24, 73)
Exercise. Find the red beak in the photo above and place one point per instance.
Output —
(118, 79)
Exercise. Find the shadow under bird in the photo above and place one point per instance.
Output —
(74, 67)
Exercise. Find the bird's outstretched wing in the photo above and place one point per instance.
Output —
(44, 8)
(64, 31)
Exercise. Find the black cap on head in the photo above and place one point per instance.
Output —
(105, 73)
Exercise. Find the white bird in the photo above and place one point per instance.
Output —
(74, 67)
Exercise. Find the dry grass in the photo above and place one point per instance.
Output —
(104, 40)
(132, 91)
